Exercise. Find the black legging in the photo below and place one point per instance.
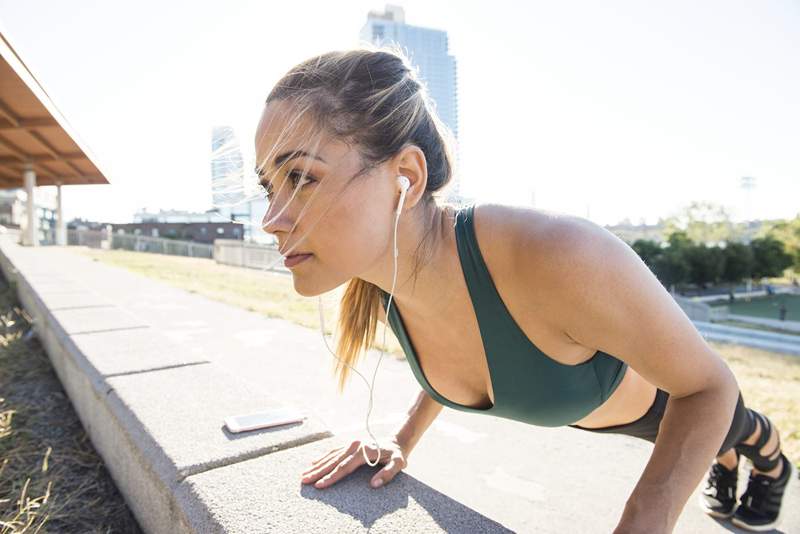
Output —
(742, 427)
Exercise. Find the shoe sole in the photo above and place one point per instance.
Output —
(784, 500)
(712, 512)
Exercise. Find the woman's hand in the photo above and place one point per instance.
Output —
(340, 462)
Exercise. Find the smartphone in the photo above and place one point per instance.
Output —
(266, 419)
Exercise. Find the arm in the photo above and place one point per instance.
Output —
(420, 416)
(607, 298)
(421, 413)
(342, 461)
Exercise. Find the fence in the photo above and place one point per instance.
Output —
(699, 311)
(87, 238)
(139, 243)
(252, 255)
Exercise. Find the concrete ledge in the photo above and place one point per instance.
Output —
(154, 411)
(267, 492)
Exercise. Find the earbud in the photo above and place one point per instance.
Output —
(404, 184)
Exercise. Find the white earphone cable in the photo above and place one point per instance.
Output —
(404, 187)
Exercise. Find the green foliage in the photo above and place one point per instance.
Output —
(770, 257)
(787, 232)
(738, 262)
(705, 222)
(704, 247)
(684, 262)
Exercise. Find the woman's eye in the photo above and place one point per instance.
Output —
(295, 177)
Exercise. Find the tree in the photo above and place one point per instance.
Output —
(648, 250)
(706, 264)
(789, 233)
(705, 222)
(671, 267)
(738, 262)
(769, 257)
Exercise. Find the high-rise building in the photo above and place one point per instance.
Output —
(226, 170)
(428, 50)
(230, 198)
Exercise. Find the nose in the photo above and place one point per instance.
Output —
(278, 218)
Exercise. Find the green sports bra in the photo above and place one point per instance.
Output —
(528, 385)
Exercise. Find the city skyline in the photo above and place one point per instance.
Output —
(626, 112)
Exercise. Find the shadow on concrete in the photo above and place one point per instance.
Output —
(730, 527)
(354, 496)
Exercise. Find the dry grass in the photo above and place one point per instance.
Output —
(770, 384)
(51, 478)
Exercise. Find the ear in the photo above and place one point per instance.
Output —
(411, 162)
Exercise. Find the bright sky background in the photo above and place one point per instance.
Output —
(605, 110)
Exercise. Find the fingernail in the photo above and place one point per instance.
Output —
(377, 483)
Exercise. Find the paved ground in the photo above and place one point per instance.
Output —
(526, 478)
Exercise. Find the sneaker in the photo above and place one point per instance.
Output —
(719, 496)
(760, 507)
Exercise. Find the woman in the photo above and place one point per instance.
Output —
(513, 312)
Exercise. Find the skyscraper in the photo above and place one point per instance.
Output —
(428, 50)
(229, 196)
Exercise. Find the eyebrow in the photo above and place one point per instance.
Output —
(286, 156)
(292, 154)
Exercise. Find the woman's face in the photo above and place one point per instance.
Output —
(346, 222)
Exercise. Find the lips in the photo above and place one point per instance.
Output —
(295, 259)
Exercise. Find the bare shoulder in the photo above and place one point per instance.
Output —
(519, 239)
(534, 256)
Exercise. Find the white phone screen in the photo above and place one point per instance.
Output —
(265, 419)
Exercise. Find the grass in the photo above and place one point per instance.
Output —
(51, 478)
(770, 382)
(766, 307)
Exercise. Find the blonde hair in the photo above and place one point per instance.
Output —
(373, 98)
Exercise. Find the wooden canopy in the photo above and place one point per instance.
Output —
(33, 132)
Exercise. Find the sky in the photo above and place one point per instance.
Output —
(604, 110)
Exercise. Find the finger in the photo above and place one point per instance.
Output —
(323, 464)
(316, 463)
(386, 474)
(323, 469)
(333, 452)
(350, 464)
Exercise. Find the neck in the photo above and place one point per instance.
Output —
(426, 292)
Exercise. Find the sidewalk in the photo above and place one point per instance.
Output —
(153, 369)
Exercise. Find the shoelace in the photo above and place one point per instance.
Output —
(717, 475)
(721, 481)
